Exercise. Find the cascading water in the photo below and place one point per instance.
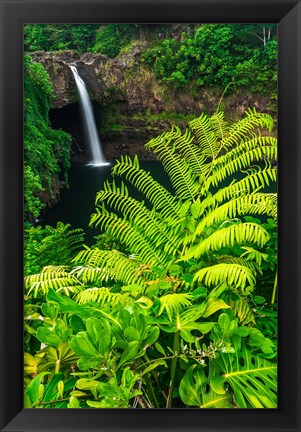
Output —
(98, 158)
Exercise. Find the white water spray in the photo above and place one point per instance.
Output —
(98, 158)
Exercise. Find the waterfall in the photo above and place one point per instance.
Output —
(98, 158)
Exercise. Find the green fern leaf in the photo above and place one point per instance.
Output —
(206, 136)
(108, 265)
(238, 233)
(243, 311)
(257, 203)
(159, 197)
(154, 228)
(101, 295)
(131, 236)
(253, 181)
(178, 169)
(244, 128)
(237, 276)
(174, 303)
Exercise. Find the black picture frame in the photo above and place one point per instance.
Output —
(14, 13)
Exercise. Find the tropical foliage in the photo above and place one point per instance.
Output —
(46, 151)
(219, 54)
(210, 55)
(184, 314)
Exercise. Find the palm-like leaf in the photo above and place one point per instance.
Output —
(219, 125)
(237, 276)
(61, 280)
(195, 391)
(226, 237)
(206, 136)
(174, 303)
(159, 197)
(132, 236)
(251, 182)
(101, 296)
(243, 311)
(252, 378)
(181, 175)
(245, 127)
(181, 144)
(239, 163)
(257, 203)
(154, 228)
(106, 265)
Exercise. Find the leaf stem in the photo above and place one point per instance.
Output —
(176, 348)
(274, 288)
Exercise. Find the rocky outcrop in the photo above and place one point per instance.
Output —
(125, 81)
(130, 106)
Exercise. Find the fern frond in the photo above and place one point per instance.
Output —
(179, 171)
(111, 264)
(235, 275)
(157, 195)
(159, 232)
(205, 134)
(244, 147)
(243, 311)
(257, 203)
(101, 295)
(238, 233)
(46, 276)
(245, 160)
(131, 236)
(244, 128)
(39, 284)
(91, 275)
(218, 125)
(254, 255)
(174, 303)
(55, 269)
(183, 144)
(253, 181)
(229, 259)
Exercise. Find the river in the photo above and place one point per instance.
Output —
(77, 203)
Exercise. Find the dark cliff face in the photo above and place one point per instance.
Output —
(130, 106)
(125, 81)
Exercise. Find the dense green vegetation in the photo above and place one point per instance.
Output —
(182, 312)
(57, 246)
(55, 37)
(175, 305)
(217, 55)
(46, 151)
(205, 55)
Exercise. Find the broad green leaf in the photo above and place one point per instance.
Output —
(131, 334)
(194, 391)
(32, 390)
(213, 305)
(151, 337)
(82, 345)
(95, 404)
(129, 353)
(160, 348)
(195, 209)
(252, 378)
(153, 366)
(73, 402)
(48, 336)
(51, 391)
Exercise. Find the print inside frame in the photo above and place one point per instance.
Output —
(173, 304)
(280, 263)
